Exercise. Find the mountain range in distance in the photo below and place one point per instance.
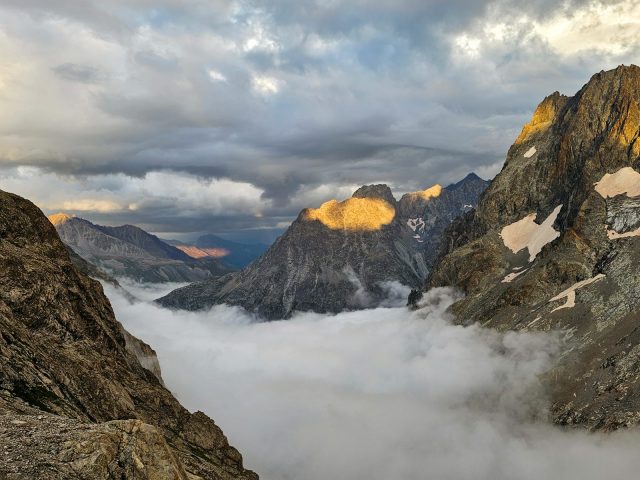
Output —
(235, 254)
(128, 251)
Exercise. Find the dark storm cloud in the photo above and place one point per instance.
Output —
(301, 100)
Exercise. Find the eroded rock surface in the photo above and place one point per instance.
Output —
(581, 153)
(64, 356)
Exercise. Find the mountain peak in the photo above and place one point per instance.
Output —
(471, 178)
(569, 195)
(60, 218)
(543, 116)
(381, 191)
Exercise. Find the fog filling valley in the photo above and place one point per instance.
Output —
(379, 394)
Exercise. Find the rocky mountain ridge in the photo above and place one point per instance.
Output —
(79, 396)
(554, 244)
(129, 251)
(364, 251)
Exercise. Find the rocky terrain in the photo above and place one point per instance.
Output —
(555, 244)
(79, 396)
(129, 251)
(354, 254)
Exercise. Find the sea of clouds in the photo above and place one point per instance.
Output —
(380, 394)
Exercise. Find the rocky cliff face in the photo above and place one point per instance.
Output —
(131, 252)
(79, 397)
(555, 244)
(343, 255)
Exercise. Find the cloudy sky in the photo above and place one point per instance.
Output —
(190, 116)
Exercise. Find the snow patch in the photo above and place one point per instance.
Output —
(534, 321)
(509, 278)
(416, 224)
(613, 235)
(530, 153)
(570, 293)
(624, 181)
(526, 233)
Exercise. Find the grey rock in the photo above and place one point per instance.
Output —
(64, 357)
(575, 141)
(623, 214)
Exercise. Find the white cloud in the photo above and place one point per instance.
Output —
(165, 190)
(216, 76)
(259, 37)
(609, 28)
(265, 85)
(378, 394)
(468, 46)
(604, 28)
(87, 205)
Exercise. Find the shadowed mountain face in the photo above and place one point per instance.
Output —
(365, 251)
(555, 244)
(79, 396)
(131, 252)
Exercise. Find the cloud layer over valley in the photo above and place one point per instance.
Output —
(380, 394)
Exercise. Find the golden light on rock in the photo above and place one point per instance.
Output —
(196, 252)
(541, 120)
(431, 192)
(59, 218)
(357, 214)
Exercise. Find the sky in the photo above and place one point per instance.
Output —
(224, 116)
(378, 394)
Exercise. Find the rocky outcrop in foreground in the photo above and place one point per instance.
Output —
(555, 244)
(358, 253)
(76, 400)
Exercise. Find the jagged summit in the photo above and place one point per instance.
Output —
(342, 255)
(569, 141)
(555, 242)
(472, 177)
(381, 191)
